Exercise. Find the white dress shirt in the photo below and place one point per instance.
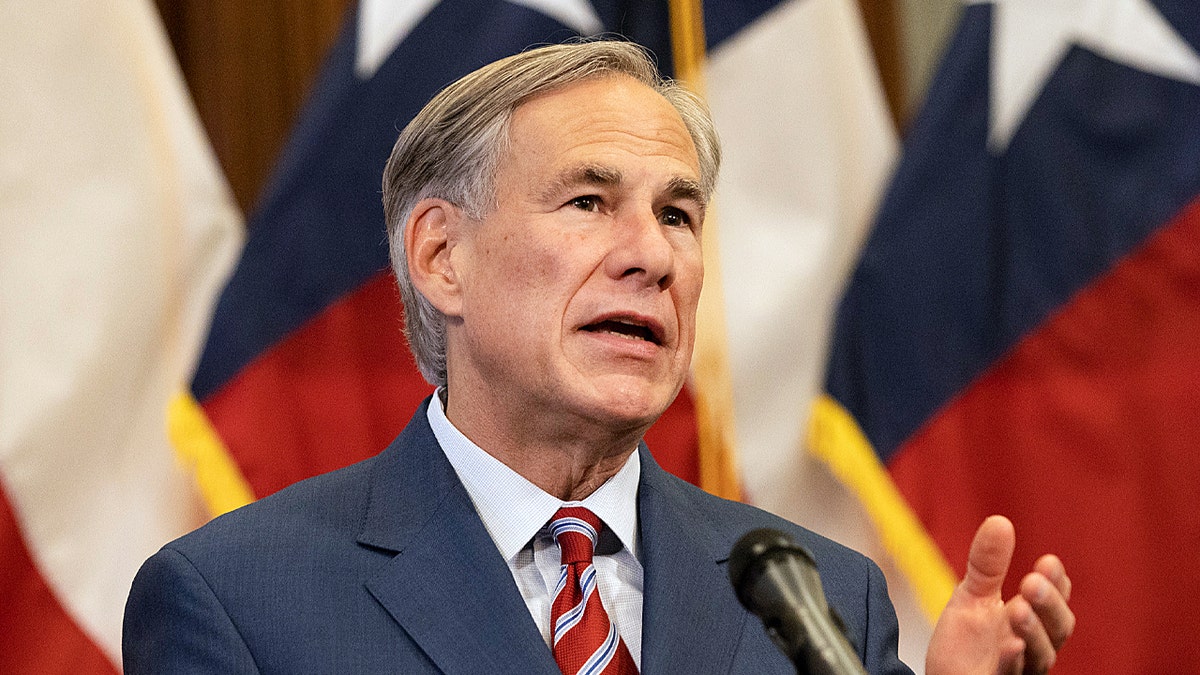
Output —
(516, 512)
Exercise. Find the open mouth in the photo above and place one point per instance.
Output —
(627, 328)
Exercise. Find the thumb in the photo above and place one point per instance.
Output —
(991, 552)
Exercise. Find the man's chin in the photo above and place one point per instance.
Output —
(634, 407)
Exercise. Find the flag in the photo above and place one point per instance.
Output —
(116, 232)
(808, 147)
(305, 369)
(1022, 332)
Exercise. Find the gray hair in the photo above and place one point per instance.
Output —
(452, 149)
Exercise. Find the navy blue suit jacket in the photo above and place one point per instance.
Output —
(384, 566)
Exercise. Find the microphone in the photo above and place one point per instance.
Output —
(777, 580)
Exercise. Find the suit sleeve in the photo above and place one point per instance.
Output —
(879, 649)
(174, 623)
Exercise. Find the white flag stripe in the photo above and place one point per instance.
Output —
(117, 232)
(808, 147)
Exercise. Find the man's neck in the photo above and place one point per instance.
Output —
(569, 461)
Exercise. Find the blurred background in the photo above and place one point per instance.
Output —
(952, 269)
(249, 67)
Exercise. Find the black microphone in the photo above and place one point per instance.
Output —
(776, 579)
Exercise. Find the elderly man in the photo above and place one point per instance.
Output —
(545, 215)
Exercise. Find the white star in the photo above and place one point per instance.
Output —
(1030, 38)
(383, 24)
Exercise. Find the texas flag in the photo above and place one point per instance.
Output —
(1022, 332)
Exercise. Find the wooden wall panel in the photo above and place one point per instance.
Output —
(881, 18)
(249, 66)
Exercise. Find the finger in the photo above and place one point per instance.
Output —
(989, 557)
(1040, 654)
(1050, 606)
(1054, 570)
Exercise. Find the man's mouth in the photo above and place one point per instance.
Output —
(628, 327)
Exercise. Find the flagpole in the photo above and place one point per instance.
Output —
(711, 378)
(687, 42)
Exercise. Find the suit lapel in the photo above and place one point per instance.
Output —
(690, 621)
(448, 586)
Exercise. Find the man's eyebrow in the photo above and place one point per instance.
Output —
(597, 175)
(686, 188)
(588, 174)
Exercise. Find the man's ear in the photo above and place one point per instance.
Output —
(433, 229)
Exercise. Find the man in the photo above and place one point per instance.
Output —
(545, 216)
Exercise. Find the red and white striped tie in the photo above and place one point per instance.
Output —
(584, 641)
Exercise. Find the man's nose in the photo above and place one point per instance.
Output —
(642, 251)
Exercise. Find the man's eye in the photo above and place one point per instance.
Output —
(673, 217)
(586, 203)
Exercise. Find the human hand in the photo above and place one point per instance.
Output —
(980, 633)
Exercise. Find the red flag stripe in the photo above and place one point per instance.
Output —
(36, 633)
(1093, 424)
(337, 390)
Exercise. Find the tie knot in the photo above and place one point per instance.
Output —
(576, 530)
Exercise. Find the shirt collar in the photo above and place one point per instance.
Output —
(513, 509)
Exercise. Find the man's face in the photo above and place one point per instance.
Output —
(579, 289)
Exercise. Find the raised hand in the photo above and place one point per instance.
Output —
(980, 633)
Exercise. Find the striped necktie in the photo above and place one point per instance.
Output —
(585, 641)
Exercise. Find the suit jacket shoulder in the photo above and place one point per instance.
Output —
(687, 535)
(380, 567)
